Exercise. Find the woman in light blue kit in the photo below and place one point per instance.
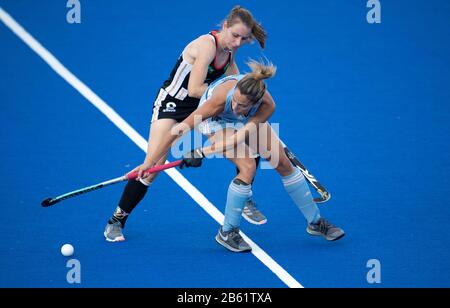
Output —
(244, 100)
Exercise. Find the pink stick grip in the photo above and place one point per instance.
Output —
(134, 175)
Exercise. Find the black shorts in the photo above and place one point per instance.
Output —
(168, 107)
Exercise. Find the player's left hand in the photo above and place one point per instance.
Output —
(193, 158)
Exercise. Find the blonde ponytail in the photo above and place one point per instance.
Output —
(261, 71)
(252, 85)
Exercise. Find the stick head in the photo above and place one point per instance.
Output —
(325, 196)
(47, 202)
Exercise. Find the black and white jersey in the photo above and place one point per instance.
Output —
(173, 100)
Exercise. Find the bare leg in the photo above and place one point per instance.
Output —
(135, 191)
(159, 130)
(269, 147)
(239, 191)
(241, 157)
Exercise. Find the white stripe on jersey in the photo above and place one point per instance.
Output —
(183, 70)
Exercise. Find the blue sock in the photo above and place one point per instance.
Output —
(296, 186)
(238, 194)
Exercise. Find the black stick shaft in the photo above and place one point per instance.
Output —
(324, 194)
(52, 201)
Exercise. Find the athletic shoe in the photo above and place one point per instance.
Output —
(232, 240)
(323, 228)
(113, 232)
(252, 214)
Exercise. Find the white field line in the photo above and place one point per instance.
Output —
(104, 108)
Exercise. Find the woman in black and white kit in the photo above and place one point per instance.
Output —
(204, 60)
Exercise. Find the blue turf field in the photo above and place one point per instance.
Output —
(365, 107)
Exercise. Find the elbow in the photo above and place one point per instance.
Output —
(195, 92)
(272, 107)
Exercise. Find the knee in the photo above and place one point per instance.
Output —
(284, 167)
(247, 170)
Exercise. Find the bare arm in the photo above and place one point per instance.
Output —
(233, 68)
(210, 108)
(264, 112)
(203, 52)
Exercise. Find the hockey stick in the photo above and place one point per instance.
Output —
(131, 176)
(324, 194)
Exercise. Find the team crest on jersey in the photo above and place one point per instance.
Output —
(170, 107)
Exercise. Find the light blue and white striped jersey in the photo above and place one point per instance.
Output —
(227, 114)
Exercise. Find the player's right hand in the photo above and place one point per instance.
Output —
(140, 169)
